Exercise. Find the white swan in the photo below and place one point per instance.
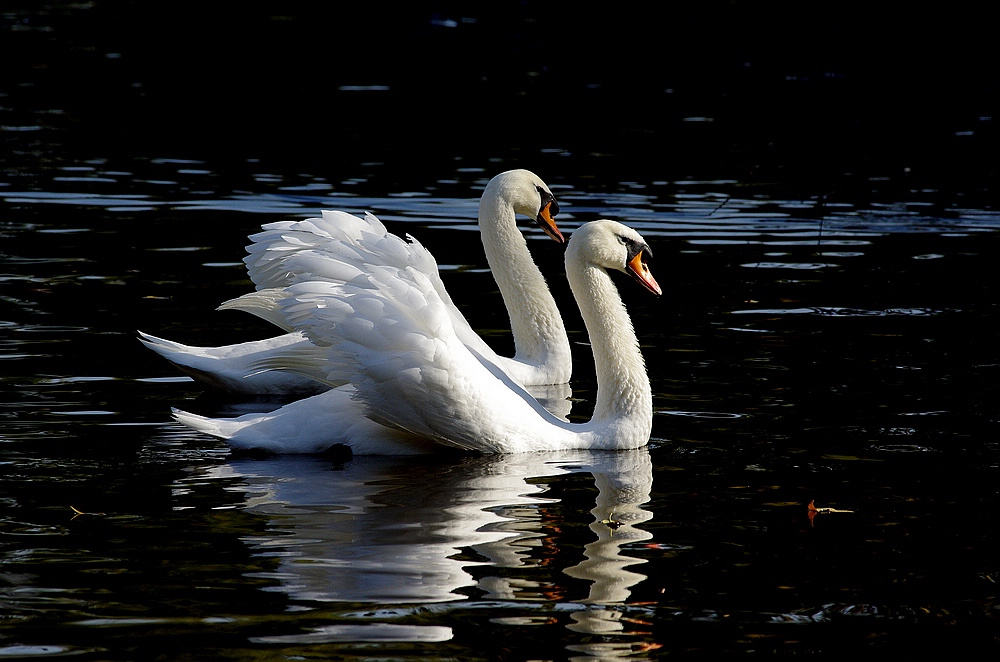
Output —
(416, 386)
(542, 353)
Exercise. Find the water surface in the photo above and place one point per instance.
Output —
(824, 225)
(803, 351)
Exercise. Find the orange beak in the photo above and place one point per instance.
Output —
(548, 224)
(640, 270)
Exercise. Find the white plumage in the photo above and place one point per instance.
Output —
(341, 248)
(415, 385)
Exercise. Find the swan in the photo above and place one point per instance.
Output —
(416, 387)
(542, 353)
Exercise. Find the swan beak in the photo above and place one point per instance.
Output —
(640, 270)
(547, 223)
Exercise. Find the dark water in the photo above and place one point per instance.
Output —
(825, 235)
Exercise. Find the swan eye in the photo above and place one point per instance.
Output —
(548, 199)
(637, 250)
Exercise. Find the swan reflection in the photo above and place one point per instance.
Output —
(392, 529)
(556, 398)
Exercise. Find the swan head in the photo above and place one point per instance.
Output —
(611, 245)
(527, 194)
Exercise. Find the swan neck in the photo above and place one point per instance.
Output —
(537, 327)
(623, 391)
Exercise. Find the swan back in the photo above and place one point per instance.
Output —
(339, 247)
(413, 373)
(413, 381)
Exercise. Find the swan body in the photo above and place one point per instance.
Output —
(416, 386)
(542, 353)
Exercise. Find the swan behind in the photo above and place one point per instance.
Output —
(542, 354)
(416, 387)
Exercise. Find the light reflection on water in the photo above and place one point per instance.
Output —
(704, 216)
(784, 371)
(394, 528)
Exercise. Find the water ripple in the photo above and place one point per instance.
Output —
(834, 311)
(700, 414)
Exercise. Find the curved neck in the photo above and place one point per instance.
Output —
(623, 391)
(537, 326)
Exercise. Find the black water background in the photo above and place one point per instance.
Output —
(869, 384)
(825, 96)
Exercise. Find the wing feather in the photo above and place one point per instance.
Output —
(339, 247)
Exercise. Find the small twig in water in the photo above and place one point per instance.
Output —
(80, 512)
(611, 523)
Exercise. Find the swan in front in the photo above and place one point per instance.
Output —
(415, 387)
(542, 353)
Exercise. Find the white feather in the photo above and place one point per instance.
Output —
(229, 366)
(339, 247)
(415, 384)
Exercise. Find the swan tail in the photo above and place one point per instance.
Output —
(165, 348)
(189, 359)
(265, 304)
(250, 431)
(192, 361)
(219, 428)
(233, 367)
(309, 425)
